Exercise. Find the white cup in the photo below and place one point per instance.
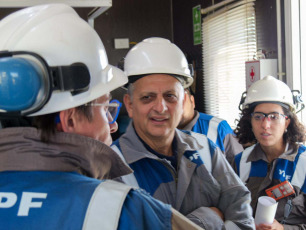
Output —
(266, 209)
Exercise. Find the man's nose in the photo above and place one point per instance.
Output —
(160, 105)
(113, 127)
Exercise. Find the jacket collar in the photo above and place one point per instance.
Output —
(133, 148)
(258, 154)
(22, 150)
(194, 120)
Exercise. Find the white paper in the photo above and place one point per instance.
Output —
(266, 209)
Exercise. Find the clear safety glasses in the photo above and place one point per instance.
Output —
(273, 117)
(113, 109)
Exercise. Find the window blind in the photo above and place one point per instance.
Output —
(295, 40)
(229, 40)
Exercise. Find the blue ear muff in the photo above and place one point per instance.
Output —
(27, 82)
(20, 83)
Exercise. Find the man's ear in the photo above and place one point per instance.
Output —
(128, 104)
(192, 100)
(185, 98)
(68, 120)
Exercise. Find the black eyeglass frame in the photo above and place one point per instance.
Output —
(266, 115)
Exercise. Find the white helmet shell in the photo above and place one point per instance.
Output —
(157, 55)
(61, 37)
(269, 89)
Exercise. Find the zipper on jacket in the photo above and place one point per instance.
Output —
(172, 170)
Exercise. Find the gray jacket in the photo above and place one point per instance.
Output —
(260, 174)
(203, 179)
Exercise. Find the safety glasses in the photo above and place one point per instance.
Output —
(113, 109)
(273, 117)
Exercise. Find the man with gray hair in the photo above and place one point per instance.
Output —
(184, 169)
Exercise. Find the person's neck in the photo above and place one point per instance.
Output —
(161, 145)
(274, 152)
(185, 120)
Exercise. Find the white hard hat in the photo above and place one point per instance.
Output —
(269, 90)
(60, 37)
(157, 55)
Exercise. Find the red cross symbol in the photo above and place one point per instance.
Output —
(252, 73)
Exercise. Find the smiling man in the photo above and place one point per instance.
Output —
(156, 101)
(184, 169)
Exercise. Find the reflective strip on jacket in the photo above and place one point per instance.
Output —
(62, 200)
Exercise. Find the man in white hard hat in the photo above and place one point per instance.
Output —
(54, 72)
(184, 169)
